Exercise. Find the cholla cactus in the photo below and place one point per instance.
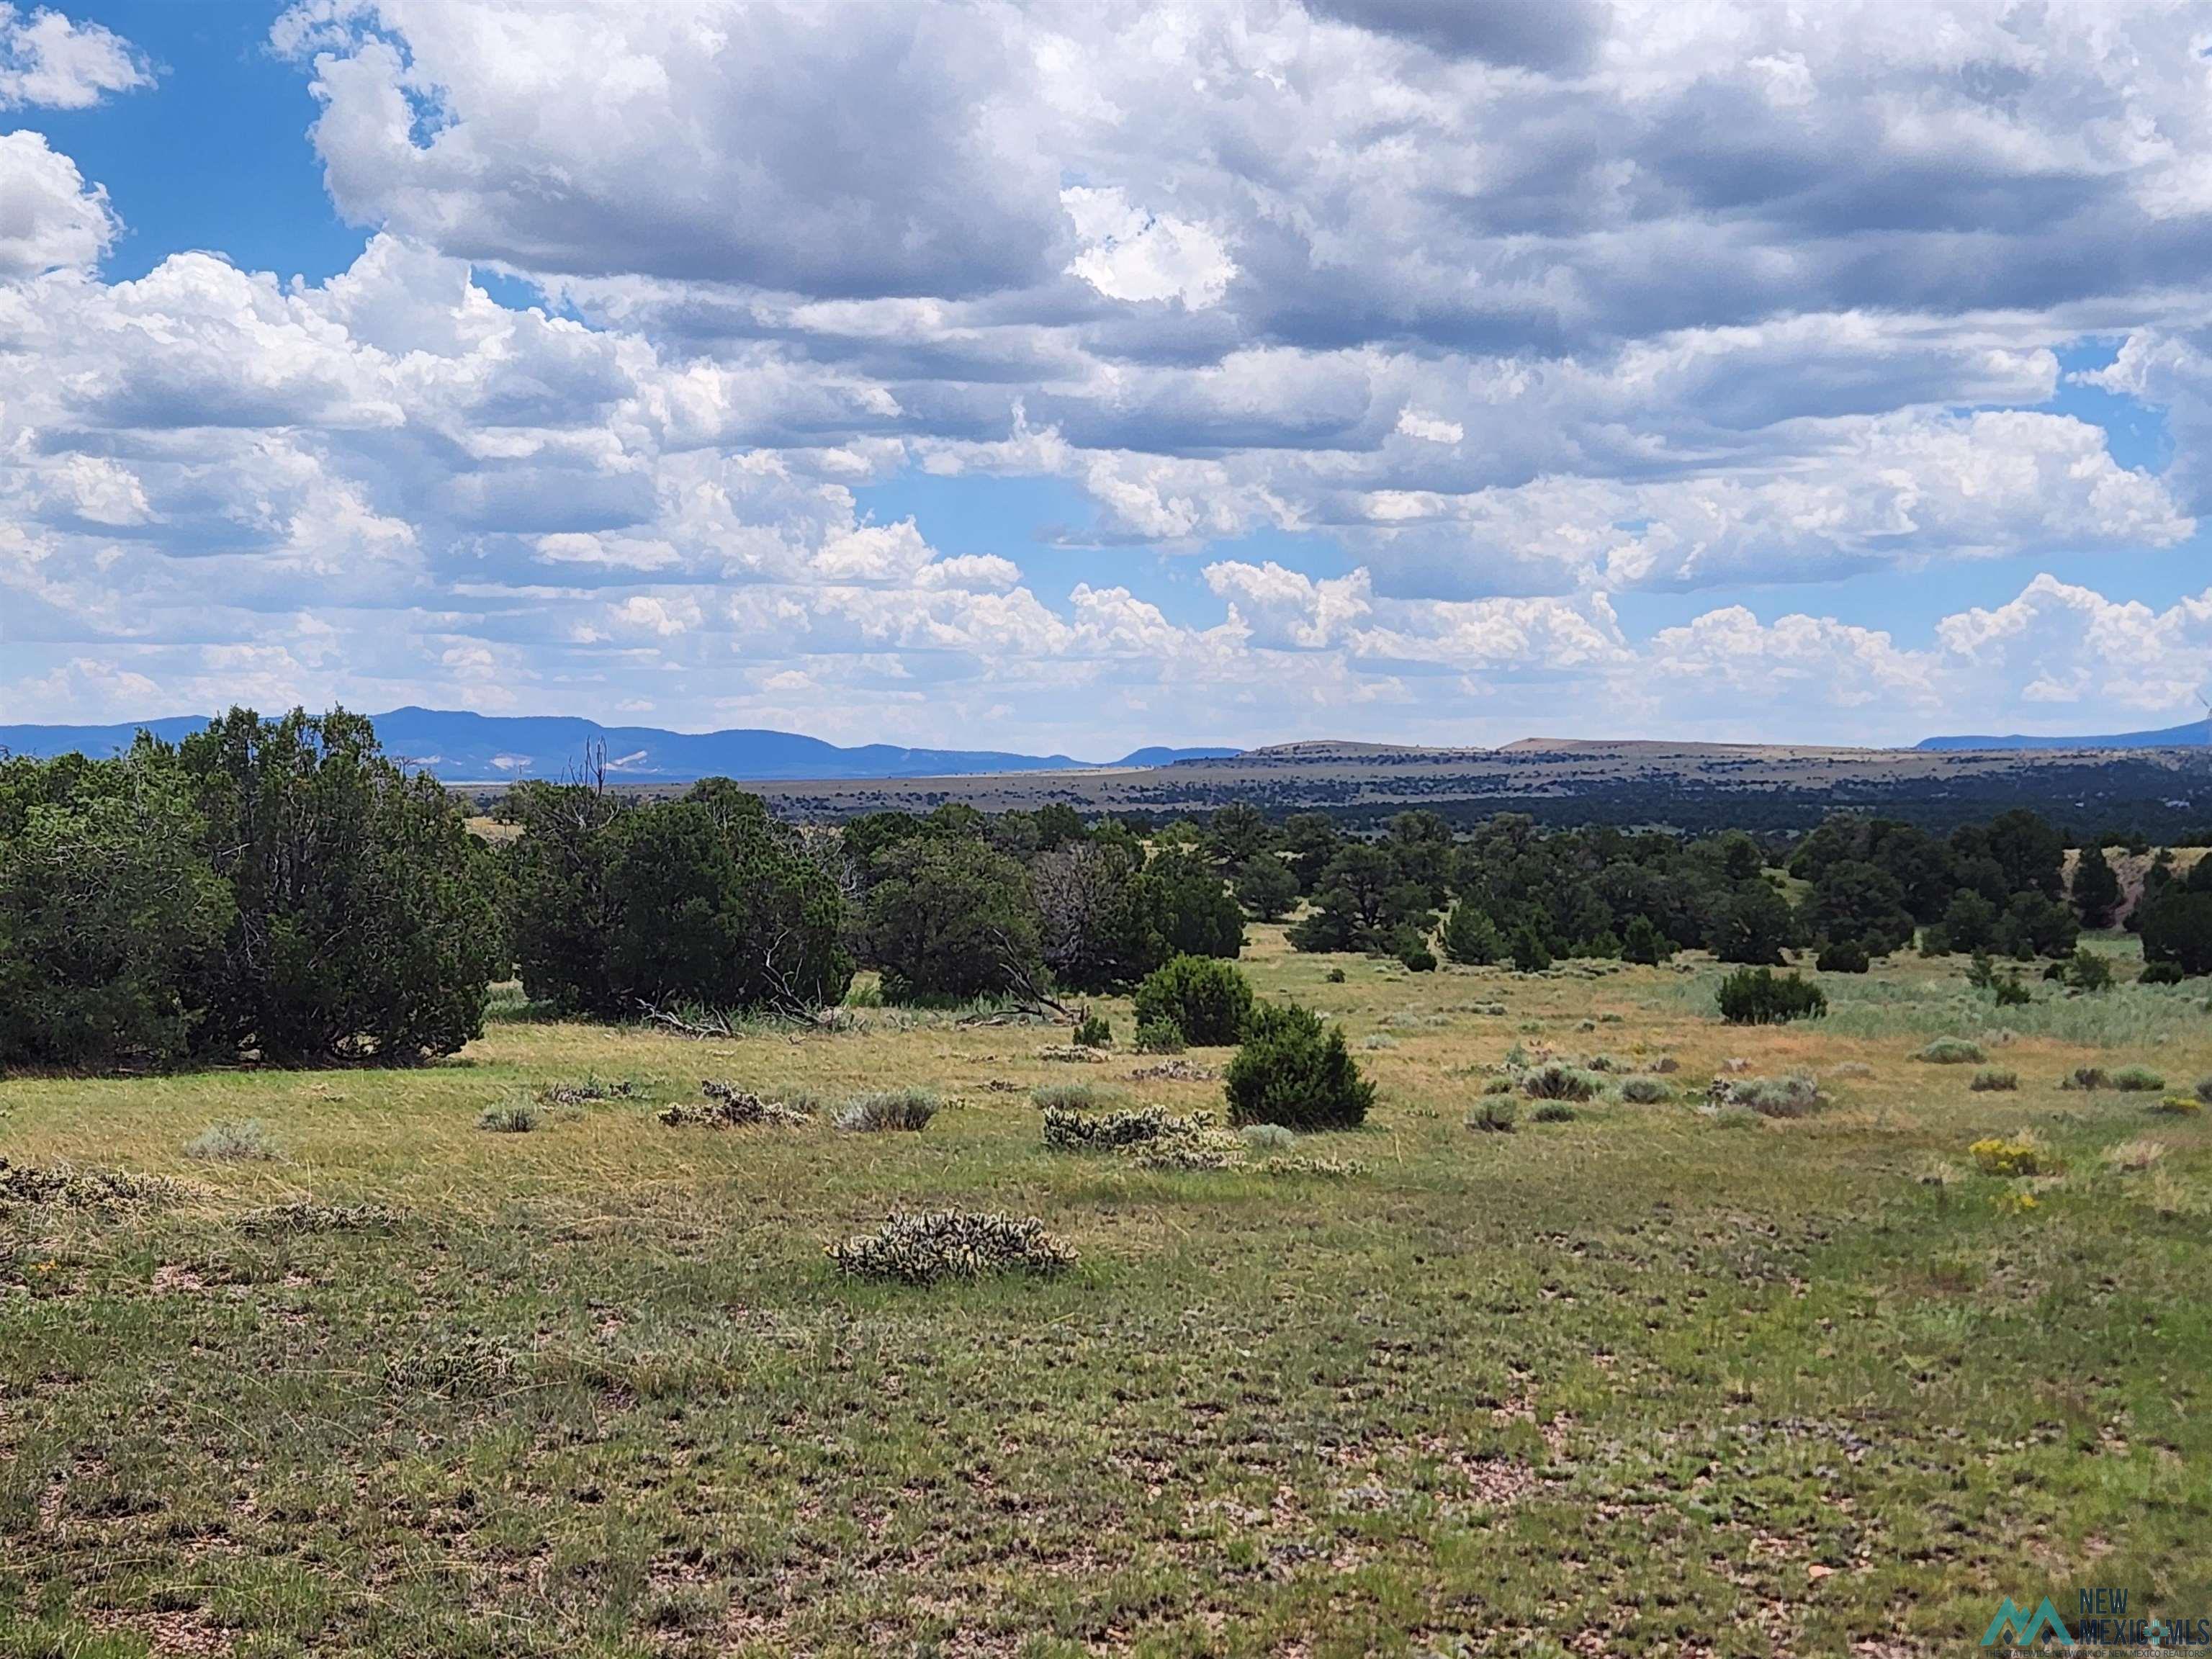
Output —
(1076, 1131)
(585, 1093)
(1191, 1146)
(1338, 1169)
(922, 1248)
(728, 1107)
(66, 1186)
(304, 1216)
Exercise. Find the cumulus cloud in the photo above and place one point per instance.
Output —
(52, 61)
(780, 147)
(50, 218)
(2066, 645)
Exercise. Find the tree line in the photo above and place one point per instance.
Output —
(279, 891)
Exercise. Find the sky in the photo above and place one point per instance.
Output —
(1068, 377)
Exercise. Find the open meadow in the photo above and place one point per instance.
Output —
(1634, 1377)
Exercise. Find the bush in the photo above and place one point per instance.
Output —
(1552, 1081)
(1418, 958)
(2137, 1080)
(2084, 1078)
(1073, 1097)
(511, 1117)
(2180, 1106)
(1551, 1111)
(2086, 970)
(1494, 1114)
(1757, 996)
(1795, 1095)
(1267, 1138)
(1843, 956)
(236, 1142)
(1159, 1037)
(2162, 973)
(1293, 1071)
(909, 1109)
(1094, 1031)
(1644, 1091)
(2203, 1089)
(2134, 1157)
(1952, 1051)
(920, 1250)
(2024, 1154)
(1207, 1000)
(1993, 1079)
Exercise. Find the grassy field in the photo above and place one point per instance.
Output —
(1655, 1379)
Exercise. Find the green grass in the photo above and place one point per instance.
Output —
(1645, 1380)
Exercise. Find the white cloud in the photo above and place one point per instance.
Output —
(1135, 256)
(653, 614)
(49, 60)
(1430, 428)
(50, 219)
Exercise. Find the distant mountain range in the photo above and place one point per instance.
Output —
(2191, 736)
(463, 748)
(460, 747)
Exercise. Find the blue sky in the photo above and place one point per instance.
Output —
(1061, 377)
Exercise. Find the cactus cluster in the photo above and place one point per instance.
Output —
(591, 1089)
(65, 1187)
(728, 1107)
(922, 1248)
(1072, 1131)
